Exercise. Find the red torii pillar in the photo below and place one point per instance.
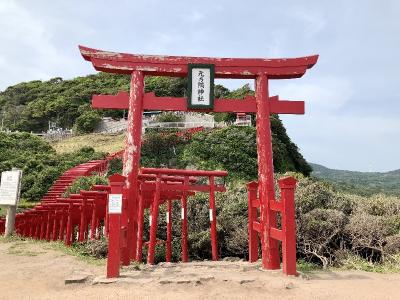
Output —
(260, 69)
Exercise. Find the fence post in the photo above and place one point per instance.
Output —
(287, 186)
(83, 220)
(139, 239)
(252, 216)
(125, 257)
(114, 219)
(184, 222)
(213, 220)
(168, 251)
(154, 222)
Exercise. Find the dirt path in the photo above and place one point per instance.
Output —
(33, 271)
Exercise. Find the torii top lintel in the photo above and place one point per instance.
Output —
(123, 63)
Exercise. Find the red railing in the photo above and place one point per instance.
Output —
(54, 217)
(286, 234)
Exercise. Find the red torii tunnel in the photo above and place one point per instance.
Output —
(260, 69)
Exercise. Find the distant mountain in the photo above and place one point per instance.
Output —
(362, 183)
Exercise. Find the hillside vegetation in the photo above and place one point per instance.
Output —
(361, 183)
(40, 163)
(29, 106)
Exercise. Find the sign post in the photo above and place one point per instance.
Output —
(9, 196)
(115, 207)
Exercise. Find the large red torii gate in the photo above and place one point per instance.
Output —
(259, 69)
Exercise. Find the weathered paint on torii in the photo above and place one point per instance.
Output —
(151, 102)
(259, 69)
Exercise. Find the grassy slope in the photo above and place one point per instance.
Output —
(100, 142)
(363, 183)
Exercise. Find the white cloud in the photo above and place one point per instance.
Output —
(27, 51)
(324, 95)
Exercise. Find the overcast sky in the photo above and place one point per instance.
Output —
(352, 95)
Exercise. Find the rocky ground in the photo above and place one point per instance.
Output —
(36, 271)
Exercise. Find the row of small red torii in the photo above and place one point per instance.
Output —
(261, 193)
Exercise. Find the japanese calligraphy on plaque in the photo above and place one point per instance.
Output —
(201, 86)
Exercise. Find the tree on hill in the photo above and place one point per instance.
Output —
(29, 106)
(234, 149)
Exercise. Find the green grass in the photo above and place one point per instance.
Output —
(22, 205)
(351, 262)
(307, 267)
(99, 142)
(18, 248)
(75, 251)
(354, 262)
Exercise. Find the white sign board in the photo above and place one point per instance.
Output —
(9, 187)
(201, 86)
(115, 203)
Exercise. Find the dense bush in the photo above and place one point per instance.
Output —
(234, 149)
(162, 149)
(85, 183)
(331, 227)
(39, 162)
(87, 122)
(94, 248)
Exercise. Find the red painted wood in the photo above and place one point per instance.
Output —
(252, 216)
(140, 221)
(177, 65)
(181, 70)
(89, 53)
(286, 107)
(151, 102)
(257, 226)
(125, 257)
(154, 223)
(184, 224)
(166, 171)
(269, 247)
(287, 186)
(276, 206)
(133, 142)
(168, 251)
(68, 236)
(213, 213)
(114, 237)
(83, 221)
(276, 234)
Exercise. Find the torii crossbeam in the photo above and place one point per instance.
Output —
(260, 69)
(151, 102)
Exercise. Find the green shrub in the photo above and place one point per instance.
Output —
(319, 234)
(169, 117)
(85, 183)
(87, 121)
(235, 149)
(162, 149)
(114, 166)
(94, 248)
